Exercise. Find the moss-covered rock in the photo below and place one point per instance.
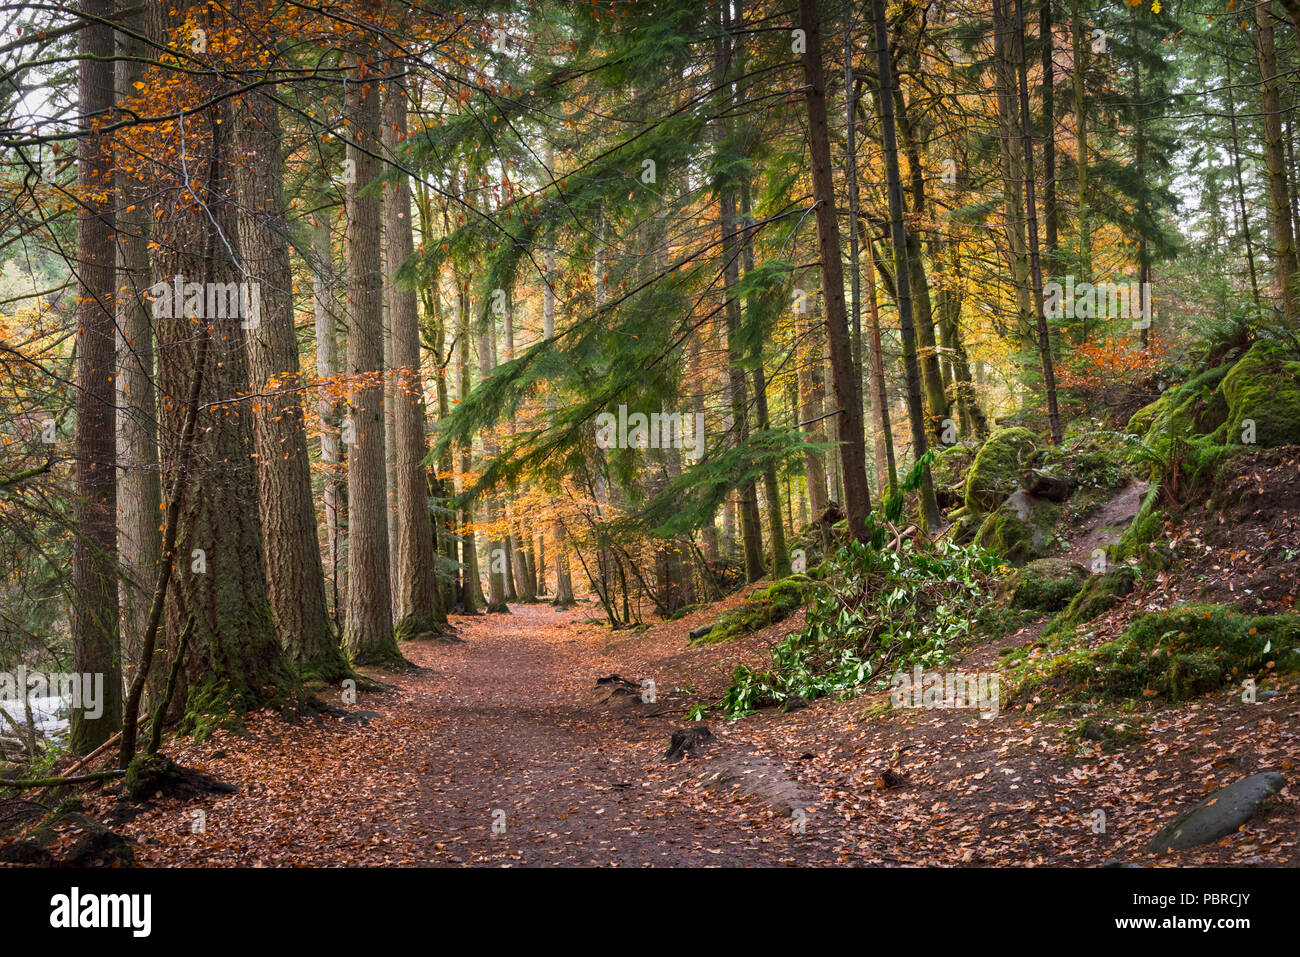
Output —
(1047, 584)
(143, 774)
(1182, 653)
(966, 527)
(951, 464)
(1021, 529)
(1090, 460)
(1098, 594)
(1262, 389)
(995, 472)
(1141, 421)
(1189, 407)
(764, 607)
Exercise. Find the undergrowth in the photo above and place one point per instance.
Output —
(878, 611)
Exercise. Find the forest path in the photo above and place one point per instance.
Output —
(509, 720)
(504, 720)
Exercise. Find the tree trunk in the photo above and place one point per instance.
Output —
(851, 157)
(368, 625)
(563, 583)
(834, 481)
(936, 398)
(1139, 167)
(1081, 143)
(853, 454)
(780, 556)
(886, 469)
(1241, 188)
(1013, 178)
(695, 365)
(928, 507)
(330, 411)
(1031, 214)
(729, 222)
(471, 597)
(497, 558)
(96, 647)
(419, 612)
(1050, 213)
(809, 365)
(390, 423)
(139, 491)
(1284, 254)
(295, 575)
(235, 662)
(974, 423)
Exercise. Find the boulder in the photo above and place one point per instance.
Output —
(1047, 584)
(996, 470)
(949, 474)
(1054, 488)
(1021, 529)
(1195, 406)
(1263, 388)
(1220, 814)
(26, 852)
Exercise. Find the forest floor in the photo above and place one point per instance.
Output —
(511, 719)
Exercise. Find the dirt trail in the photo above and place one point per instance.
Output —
(502, 721)
(1104, 528)
(508, 719)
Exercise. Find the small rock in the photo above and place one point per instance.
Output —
(1220, 814)
(701, 631)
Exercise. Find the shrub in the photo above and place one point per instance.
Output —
(878, 609)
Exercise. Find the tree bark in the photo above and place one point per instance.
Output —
(235, 662)
(886, 469)
(780, 555)
(729, 222)
(368, 625)
(808, 374)
(419, 612)
(139, 490)
(295, 575)
(857, 494)
(936, 397)
(928, 511)
(1050, 212)
(1284, 253)
(1081, 141)
(1031, 214)
(471, 597)
(330, 411)
(497, 557)
(96, 647)
(563, 583)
